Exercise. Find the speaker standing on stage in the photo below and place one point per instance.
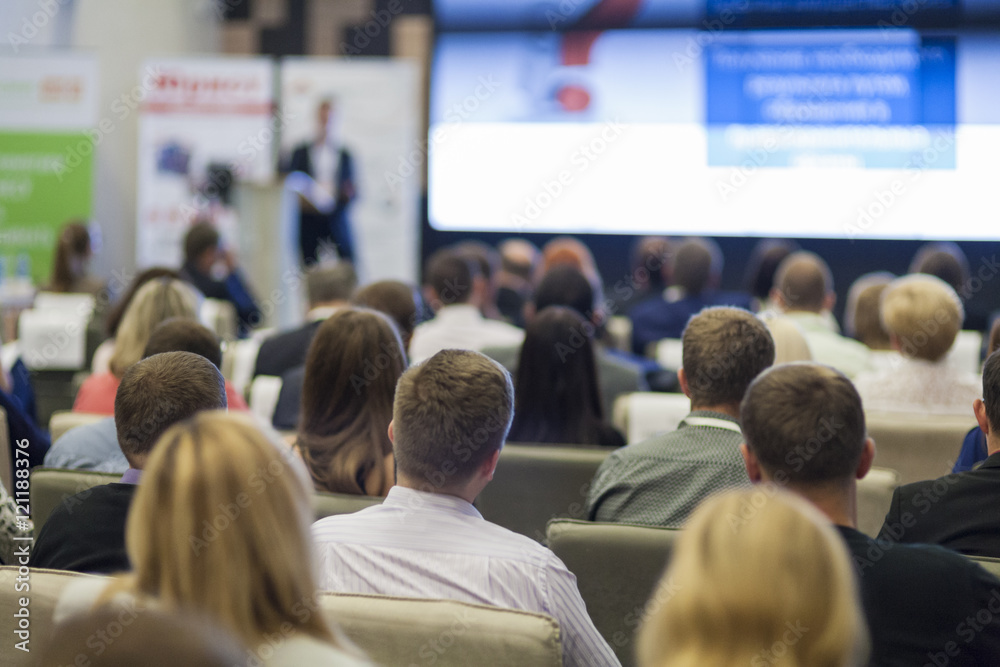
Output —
(332, 167)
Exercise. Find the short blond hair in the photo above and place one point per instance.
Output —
(220, 525)
(157, 301)
(924, 313)
(799, 608)
(451, 412)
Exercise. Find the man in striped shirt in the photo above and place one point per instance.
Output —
(450, 419)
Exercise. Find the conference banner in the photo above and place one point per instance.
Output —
(205, 124)
(48, 114)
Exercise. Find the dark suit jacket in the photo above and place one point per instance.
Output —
(960, 511)
(922, 601)
(286, 411)
(283, 352)
(655, 319)
(86, 533)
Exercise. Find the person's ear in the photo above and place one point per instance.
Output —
(682, 380)
(979, 408)
(752, 464)
(490, 465)
(867, 458)
(392, 437)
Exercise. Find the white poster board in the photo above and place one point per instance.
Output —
(196, 113)
(377, 111)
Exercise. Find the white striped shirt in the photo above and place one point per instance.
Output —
(432, 545)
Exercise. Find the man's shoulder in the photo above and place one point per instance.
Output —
(97, 499)
(85, 445)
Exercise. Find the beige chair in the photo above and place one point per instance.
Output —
(616, 567)
(643, 414)
(535, 483)
(329, 504)
(64, 420)
(874, 498)
(264, 393)
(6, 454)
(668, 353)
(392, 631)
(619, 329)
(53, 486)
(966, 352)
(220, 317)
(991, 565)
(917, 446)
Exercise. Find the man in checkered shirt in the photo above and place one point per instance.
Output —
(661, 480)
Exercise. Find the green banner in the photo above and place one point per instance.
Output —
(45, 181)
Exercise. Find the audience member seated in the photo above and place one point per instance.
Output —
(566, 250)
(202, 254)
(650, 259)
(456, 290)
(945, 260)
(255, 574)
(450, 419)
(557, 397)
(789, 342)
(958, 511)
(155, 302)
(862, 314)
(150, 637)
(805, 431)
(344, 398)
(762, 265)
(804, 292)
(95, 446)
(661, 480)
(487, 260)
(799, 609)
(518, 259)
(21, 426)
(401, 302)
(694, 274)
(923, 316)
(567, 286)
(974, 445)
(70, 269)
(328, 288)
(86, 533)
(102, 355)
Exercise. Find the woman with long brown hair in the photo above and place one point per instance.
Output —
(350, 380)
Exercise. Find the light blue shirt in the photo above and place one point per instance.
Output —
(89, 447)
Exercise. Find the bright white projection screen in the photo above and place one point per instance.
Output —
(881, 131)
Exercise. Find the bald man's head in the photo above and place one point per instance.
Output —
(803, 282)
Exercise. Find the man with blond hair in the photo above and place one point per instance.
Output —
(661, 480)
(804, 430)
(451, 415)
(923, 316)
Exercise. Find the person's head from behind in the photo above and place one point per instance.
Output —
(763, 264)
(452, 278)
(862, 314)
(801, 596)
(118, 311)
(518, 259)
(696, 266)
(987, 409)
(160, 391)
(179, 334)
(804, 427)
(944, 260)
(394, 298)
(450, 419)
(487, 259)
(803, 282)
(564, 285)
(650, 262)
(253, 574)
(152, 637)
(557, 396)
(352, 366)
(722, 351)
(155, 302)
(922, 315)
(201, 246)
(330, 284)
(73, 253)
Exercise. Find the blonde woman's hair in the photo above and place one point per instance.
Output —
(924, 313)
(156, 301)
(759, 578)
(220, 524)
